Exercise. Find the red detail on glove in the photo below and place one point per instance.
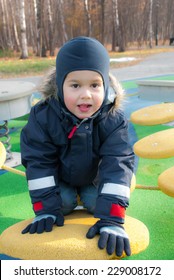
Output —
(117, 210)
(70, 135)
(38, 206)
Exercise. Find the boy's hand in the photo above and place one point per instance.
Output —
(112, 236)
(43, 223)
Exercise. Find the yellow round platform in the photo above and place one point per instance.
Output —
(165, 181)
(69, 241)
(133, 183)
(156, 145)
(153, 115)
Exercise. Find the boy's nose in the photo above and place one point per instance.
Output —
(86, 93)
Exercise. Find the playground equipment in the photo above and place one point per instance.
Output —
(158, 145)
(69, 241)
(3, 159)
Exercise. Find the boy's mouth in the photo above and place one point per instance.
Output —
(84, 107)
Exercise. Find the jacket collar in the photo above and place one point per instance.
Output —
(68, 120)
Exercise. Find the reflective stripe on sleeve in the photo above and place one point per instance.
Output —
(41, 183)
(116, 189)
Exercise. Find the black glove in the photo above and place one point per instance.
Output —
(112, 236)
(43, 223)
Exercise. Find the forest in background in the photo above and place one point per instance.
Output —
(42, 26)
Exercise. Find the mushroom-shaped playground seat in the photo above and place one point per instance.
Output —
(69, 241)
(153, 115)
(165, 181)
(157, 145)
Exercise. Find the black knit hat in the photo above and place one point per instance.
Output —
(82, 53)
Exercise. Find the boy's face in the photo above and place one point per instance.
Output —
(83, 93)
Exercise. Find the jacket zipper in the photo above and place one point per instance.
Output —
(73, 130)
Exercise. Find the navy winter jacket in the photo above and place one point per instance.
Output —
(98, 151)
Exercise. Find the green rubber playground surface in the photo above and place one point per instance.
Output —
(152, 207)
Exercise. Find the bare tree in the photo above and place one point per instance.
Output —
(24, 47)
(39, 26)
(116, 23)
(4, 26)
(102, 20)
(16, 36)
(150, 23)
(50, 25)
(62, 20)
(35, 23)
(156, 21)
(31, 25)
(121, 26)
(88, 16)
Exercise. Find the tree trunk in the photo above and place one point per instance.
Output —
(38, 7)
(115, 24)
(120, 22)
(50, 31)
(10, 44)
(62, 20)
(4, 27)
(157, 24)
(39, 27)
(150, 24)
(24, 47)
(37, 47)
(102, 20)
(17, 42)
(88, 16)
(31, 25)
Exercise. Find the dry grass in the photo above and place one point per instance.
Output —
(139, 54)
(15, 67)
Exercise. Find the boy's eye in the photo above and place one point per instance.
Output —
(75, 85)
(95, 85)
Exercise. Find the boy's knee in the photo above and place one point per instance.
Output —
(88, 196)
(90, 205)
(68, 206)
(69, 199)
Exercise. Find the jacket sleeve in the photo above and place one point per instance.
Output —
(39, 158)
(115, 170)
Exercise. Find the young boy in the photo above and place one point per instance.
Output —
(76, 142)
